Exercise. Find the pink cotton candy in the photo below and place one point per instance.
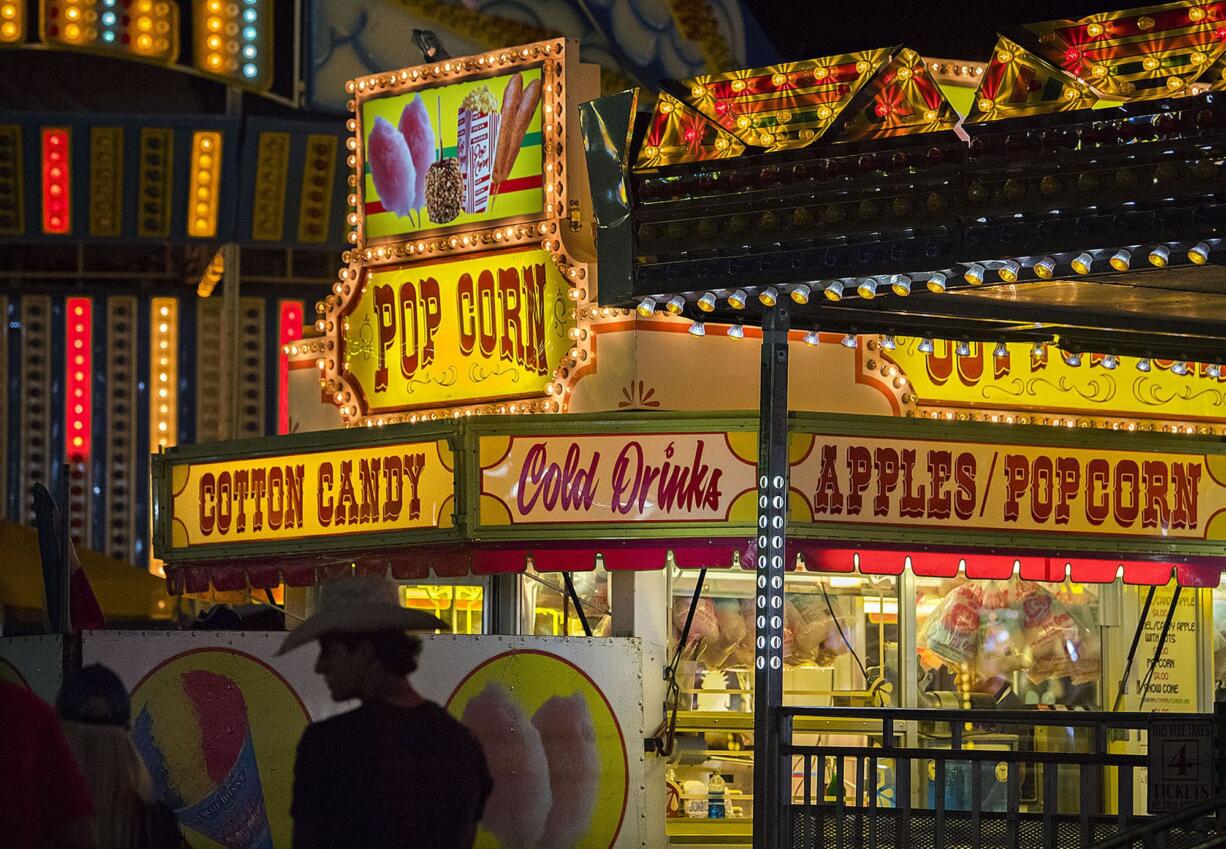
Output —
(418, 133)
(391, 166)
(569, 739)
(520, 800)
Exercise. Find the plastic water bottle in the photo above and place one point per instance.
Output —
(717, 791)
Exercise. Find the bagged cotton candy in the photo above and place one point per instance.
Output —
(519, 803)
(705, 625)
(391, 167)
(566, 730)
(952, 633)
(418, 133)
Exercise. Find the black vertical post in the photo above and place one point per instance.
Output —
(771, 790)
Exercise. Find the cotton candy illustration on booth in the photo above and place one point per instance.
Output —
(519, 803)
(418, 134)
(195, 739)
(391, 167)
(565, 724)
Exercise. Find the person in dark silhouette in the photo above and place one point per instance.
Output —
(398, 772)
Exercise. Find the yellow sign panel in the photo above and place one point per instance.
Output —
(299, 496)
(488, 327)
(1051, 383)
(467, 153)
(1012, 488)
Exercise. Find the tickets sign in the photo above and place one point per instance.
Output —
(618, 478)
(1014, 488)
(299, 496)
(493, 326)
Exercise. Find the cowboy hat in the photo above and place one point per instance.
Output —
(359, 605)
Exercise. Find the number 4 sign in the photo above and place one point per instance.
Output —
(1180, 762)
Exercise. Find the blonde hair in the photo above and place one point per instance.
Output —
(118, 779)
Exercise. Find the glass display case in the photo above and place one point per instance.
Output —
(879, 641)
(549, 610)
(841, 647)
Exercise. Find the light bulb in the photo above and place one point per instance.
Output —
(1160, 256)
(867, 288)
(926, 346)
(1144, 364)
(1213, 370)
(1121, 260)
(1179, 367)
(1009, 270)
(800, 294)
(707, 302)
(1199, 253)
(1082, 263)
(834, 290)
(647, 307)
(900, 284)
(888, 343)
(698, 329)
(1001, 350)
(848, 341)
(974, 275)
(738, 299)
(936, 283)
(736, 331)
(675, 304)
(1045, 268)
(1110, 362)
(811, 338)
(1038, 350)
(963, 348)
(769, 296)
(1072, 358)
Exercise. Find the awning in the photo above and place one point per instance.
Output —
(125, 592)
(424, 562)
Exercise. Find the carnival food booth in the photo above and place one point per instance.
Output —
(1070, 220)
(741, 615)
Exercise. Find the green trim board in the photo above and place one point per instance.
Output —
(567, 478)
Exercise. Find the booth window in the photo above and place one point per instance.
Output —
(460, 605)
(1007, 644)
(840, 639)
(550, 610)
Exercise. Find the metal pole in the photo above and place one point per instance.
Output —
(231, 332)
(771, 789)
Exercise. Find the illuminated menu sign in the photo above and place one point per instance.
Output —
(323, 493)
(449, 332)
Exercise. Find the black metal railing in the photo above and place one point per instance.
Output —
(938, 779)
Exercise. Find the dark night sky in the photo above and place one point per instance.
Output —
(954, 29)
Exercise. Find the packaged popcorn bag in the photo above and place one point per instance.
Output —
(476, 141)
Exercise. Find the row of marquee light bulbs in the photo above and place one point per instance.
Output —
(1007, 271)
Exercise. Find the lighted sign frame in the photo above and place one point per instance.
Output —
(549, 230)
(552, 58)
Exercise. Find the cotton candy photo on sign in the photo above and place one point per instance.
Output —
(555, 751)
(519, 804)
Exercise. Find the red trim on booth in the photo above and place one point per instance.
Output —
(453, 561)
